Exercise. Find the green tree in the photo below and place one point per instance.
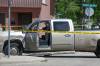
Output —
(67, 9)
(73, 9)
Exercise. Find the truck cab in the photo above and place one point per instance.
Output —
(50, 35)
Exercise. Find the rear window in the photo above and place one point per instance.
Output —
(61, 26)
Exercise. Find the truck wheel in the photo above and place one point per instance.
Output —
(14, 50)
(97, 53)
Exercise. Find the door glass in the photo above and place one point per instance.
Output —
(61, 26)
(34, 27)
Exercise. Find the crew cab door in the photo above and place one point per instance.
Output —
(61, 40)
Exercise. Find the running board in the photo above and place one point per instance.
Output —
(54, 53)
(64, 52)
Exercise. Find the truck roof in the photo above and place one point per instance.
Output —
(61, 19)
(38, 21)
(57, 20)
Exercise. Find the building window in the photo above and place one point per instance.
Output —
(2, 18)
(61, 26)
(12, 21)
(2, 21)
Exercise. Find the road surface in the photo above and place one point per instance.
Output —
(77, 59)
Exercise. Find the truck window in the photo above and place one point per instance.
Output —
(34, 27)
(61, 26)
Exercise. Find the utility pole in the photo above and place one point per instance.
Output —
(9, 19)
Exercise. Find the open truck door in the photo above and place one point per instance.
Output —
(37, 38)
(31, 37)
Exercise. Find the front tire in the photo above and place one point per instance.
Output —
(14, 49)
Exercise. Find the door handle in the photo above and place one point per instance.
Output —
(67, 35)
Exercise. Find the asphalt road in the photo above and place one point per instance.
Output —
(77, 59)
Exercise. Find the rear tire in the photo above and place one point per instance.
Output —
(97, 53)
(14, 49)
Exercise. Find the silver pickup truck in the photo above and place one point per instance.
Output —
(50, 36)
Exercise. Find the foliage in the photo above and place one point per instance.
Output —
(73, 9)
(67, 9)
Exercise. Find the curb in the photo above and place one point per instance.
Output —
(1, 55)
(21, 59)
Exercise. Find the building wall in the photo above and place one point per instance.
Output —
(14, 14)
(21, 3)
(44, 12)
(47, 10)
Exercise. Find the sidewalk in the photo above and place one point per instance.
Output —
(20, 59)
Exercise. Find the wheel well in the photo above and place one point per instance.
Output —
(20, 45)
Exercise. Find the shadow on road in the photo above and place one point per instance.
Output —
(68, 56)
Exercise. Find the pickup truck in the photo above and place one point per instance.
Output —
(50, 36)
